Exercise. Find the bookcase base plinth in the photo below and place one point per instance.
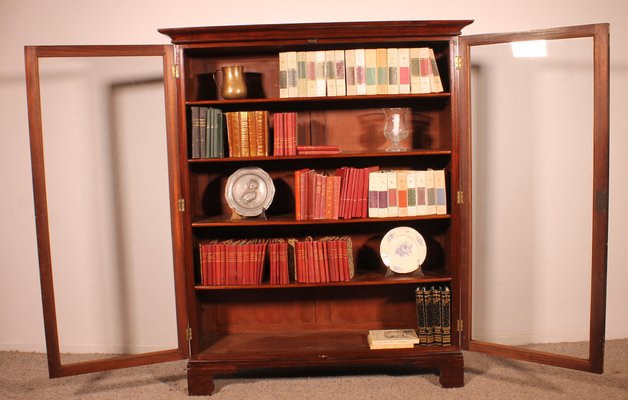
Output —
(450, 366)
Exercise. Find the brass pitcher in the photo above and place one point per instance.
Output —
(233, 85)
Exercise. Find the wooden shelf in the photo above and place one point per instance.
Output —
(214, 222)
(299, 345)
(380, 154)
(321, 99)
(371, 278)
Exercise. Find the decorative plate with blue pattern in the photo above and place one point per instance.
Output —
(403, 250)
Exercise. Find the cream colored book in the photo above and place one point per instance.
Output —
(350, 72)
(283, 74)
(339, 62)
(430, 190)
(392, 339)
(330, 72)
(440, 192)
(293, 71)
(370, 56)
(393, 71)
(382, 71)
(404, 70)
(360, 71)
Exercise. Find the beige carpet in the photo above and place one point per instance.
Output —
(24, 376)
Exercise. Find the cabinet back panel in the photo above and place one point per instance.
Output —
(261, 76)
(308, 308)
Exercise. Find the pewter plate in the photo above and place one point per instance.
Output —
(249, 191)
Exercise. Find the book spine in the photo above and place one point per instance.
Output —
(210, 133)
(196, 133)
(421, 193)
(446, 315)
(430, 192)
(360, 71)
(321, 80)
(415, 71)
(425, 69)
(393, 209)
(370, 57)
(436, 83)
(244, 133)
(202, 125)
(293, 85)
(411, 182)
(277, 134)
(318, 148)
(382, 188)
(283, 74)
(301, 74)
(291, 134)
(350, 72)
(440, 192)
(404, 70)
(339, 62)
(330, 72)
(393, 71)
(382, 71)
(311, 73)
(402, 193)
(373, 203)
(421, 316)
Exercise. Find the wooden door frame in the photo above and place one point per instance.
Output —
(600, 35)
(32, 56)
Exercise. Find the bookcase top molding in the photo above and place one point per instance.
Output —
(314, 31)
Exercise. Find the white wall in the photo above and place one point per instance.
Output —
(30, 22)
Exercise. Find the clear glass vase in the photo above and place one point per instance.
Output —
(395, 127)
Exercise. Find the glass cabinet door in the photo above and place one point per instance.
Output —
(103, 150)
(534, 156)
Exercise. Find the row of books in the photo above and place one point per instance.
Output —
(340, 195)
(433, 305)
(242, 262)
(247, 133)
(232, 262)
(358, 72)
(329, 259)
(285, 134)
(406, 193)
(207, 132)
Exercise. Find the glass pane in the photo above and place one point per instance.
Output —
(104, 135)
(532, 195)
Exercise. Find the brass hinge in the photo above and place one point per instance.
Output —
(181, 205)
(188, 334)
(458, 63)
(459, 325)
(175, 71)
(460, 197)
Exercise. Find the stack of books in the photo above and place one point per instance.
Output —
(406, 193)
(434, 315)
(329, 259)
(318, 149)
(207, 132)
(361, 71)
(392, 339)
(232, 262)
(247, 133)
